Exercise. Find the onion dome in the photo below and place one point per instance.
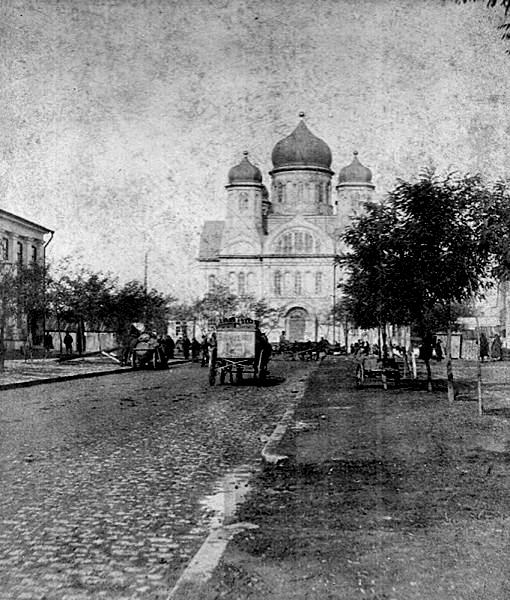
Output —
(244, 172)
(355, 173)
(301, 149)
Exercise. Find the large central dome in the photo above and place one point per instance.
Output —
(301, 149)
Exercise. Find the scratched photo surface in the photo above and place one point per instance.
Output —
(120, 121)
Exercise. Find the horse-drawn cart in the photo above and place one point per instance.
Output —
(147, 352)
(240, 348)
(372, 368)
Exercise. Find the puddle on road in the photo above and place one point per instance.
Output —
(232, 489)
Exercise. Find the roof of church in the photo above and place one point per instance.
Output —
(355, 172)
(301, 149)
(210, 240)
(244, 172)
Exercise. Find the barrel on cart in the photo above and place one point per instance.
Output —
(238, 349)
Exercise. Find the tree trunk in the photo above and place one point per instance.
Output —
(449, 370)
(384, 342)
(429, 375)
(479, 371)
(2, 346)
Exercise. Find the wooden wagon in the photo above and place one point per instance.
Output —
(372, 368)
(239, 349)
(147, 352)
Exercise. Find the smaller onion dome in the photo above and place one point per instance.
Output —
(244, 172)
(355, 173)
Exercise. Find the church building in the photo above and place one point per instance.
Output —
(279, 245)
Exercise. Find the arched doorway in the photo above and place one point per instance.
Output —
(296, 324)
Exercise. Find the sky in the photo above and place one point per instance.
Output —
(120, 119)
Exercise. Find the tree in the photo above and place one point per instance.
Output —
(217, 304)
(505, 27)
(434, 244)
(22, 295)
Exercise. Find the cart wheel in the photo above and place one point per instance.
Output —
(222, 375)
(212, 376)
(133, 361)
(239, 375)
(154, 360)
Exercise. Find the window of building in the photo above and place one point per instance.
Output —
(232, 282)
(241, 284)
(318, 283)
(19, 254)
(308, 243)
(277, 283)
(298, 242)
(287, 283)
(279, 192)
(250, 283)
(298, 284)
(211, 282)
(5, 248)
(287, 243)
(243, 201)
(317, 246)
(34, 254)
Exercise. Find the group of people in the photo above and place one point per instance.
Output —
(493, 351)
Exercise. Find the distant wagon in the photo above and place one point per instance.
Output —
(239, 348)
(148, 353)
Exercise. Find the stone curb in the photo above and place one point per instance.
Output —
(201, 567)
(270, 454)
(70, 377)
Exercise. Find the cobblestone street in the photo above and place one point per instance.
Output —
(102, 478)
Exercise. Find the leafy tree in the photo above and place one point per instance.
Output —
(22, 295)
(217, 304)
(435, 243)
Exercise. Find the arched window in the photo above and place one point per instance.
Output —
(277, 283)
(287, 243)
(232, 282)
(298, 284)
(250, 283)
(318, 283)
(298, 242)
(308, 283)
(287, 283)
(211, 283)
(317, 246)
(241, 284)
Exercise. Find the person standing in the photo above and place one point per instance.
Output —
(68, 343)
(484, 347)
(496, 348)
(204, 346)
(195, 349)
(169, 346)
(186, 344)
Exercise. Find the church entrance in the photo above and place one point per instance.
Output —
(296, 323)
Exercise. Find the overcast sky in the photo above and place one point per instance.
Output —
(121, 118)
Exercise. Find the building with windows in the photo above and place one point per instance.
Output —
(279, 244)
(22, 242)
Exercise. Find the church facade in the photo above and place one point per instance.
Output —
(279, 244)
